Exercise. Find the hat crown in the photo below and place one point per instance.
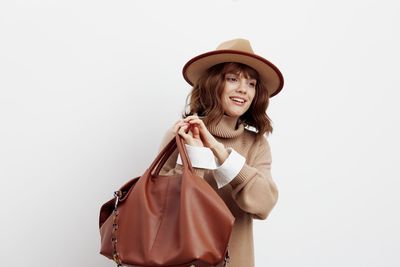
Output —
(239, 44)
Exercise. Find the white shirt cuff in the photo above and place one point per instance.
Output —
(231, 167)
(200, 157)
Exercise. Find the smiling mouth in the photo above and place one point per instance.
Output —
(238, 100)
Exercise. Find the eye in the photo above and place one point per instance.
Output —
(231, 78)
(253, 84)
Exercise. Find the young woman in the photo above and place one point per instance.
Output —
(225, 129)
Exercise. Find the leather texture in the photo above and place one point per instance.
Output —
(170, 221)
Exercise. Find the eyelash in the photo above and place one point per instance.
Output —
(235, 80)
(231, 79)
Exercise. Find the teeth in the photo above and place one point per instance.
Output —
(237, 100)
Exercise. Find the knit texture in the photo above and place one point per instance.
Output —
(252, 194)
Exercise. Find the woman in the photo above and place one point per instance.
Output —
(225, 132)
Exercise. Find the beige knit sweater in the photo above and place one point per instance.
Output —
(250, 195)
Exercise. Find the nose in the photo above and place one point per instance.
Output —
(242, 88)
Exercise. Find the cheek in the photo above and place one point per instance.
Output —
(226, 92)
(224, 98)
(252, 95)
(229, 87)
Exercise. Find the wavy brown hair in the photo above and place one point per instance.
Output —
(205, 97)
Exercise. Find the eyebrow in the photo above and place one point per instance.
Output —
(241, 74)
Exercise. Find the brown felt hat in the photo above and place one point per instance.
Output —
(239, 51)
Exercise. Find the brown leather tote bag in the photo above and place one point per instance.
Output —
(157, 220)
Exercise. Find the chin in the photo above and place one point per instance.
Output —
(233, 115)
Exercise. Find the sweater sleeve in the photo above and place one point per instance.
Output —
(171, 167)
(253, 188)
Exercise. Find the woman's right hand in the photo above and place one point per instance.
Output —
(189, 133)
(207, 138)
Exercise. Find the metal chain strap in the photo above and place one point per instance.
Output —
(226, 259)
(114, 241)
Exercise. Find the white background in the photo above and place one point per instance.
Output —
(88, 89)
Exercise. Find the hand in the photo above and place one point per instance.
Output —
(200, 131)
(189, 133)
(200, 134)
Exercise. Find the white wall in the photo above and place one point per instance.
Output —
(87, 89)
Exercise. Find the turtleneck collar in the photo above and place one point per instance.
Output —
(226, 127)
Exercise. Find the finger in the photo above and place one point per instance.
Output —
(186, 136)
(177, 126)
(190, 117)
(181, 132)
(204, 133)
(184, 129)
(198, 122)
(196, 132)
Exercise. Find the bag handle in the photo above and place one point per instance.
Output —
(167, 152)
(183, 152)
(165, 157)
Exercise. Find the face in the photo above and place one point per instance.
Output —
(238, 94)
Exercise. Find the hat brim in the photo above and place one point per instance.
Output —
(269, 73)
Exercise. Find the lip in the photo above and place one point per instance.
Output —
(239, 97)
(238, 104)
